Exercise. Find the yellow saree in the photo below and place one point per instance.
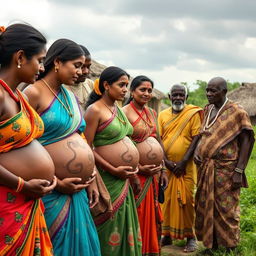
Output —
(177, 132)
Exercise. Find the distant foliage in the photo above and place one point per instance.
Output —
(197, 96)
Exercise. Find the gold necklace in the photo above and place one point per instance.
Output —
(68, 108)
(122, 121)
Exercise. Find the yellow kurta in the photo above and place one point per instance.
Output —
(177, 132)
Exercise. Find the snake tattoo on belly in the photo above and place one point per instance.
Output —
(126, 157)
(151, 155)
(72, 167)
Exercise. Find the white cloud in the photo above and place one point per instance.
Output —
(169, 41)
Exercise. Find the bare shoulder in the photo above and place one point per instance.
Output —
(126, 109)
(32, 93)
(93, 112)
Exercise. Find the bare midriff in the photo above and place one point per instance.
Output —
(72, 157)
(121, 153)
(150, 152)
(29, 162)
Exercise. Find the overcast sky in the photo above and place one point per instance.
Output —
(171, 41)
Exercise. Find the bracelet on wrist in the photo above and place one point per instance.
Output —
(239, 170)
(20, 185)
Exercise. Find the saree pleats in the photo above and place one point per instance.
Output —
(23, 229)
(150, 216)
(70, 224)
(120, 234)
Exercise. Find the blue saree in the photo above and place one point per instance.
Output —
(68, 217)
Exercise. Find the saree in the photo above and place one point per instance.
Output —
(23, 229)
(177, 132)
(148, 208)
(22, 225)
(68, 217)
(119, 233)
(216, 156)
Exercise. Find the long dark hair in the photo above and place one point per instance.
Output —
(110, 75)
(63, 50)
(136, 82)
(20, 37)
(87, 54)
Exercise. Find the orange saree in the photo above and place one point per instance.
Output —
(149, 212)
(22, 225)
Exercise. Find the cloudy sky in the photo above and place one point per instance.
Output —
(170, 41)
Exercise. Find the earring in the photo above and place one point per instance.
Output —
(55, 69)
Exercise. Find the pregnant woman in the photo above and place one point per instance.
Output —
(108, 130)
(143, 120)
(67, 210)
(26, 169)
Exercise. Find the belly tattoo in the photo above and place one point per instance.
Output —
(126, 156)
(151, 155)
(72, 165)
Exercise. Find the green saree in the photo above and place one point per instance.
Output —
(119, 234)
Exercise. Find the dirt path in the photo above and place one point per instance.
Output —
(174, 250)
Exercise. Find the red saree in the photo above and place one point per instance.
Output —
(22, 225)
(148, 208)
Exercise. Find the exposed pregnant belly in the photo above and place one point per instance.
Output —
(150, 151)
(72, 157)
(29, 162)
(121, 153)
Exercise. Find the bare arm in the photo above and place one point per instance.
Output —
(180, 168)
(246, 143)
(92, 118)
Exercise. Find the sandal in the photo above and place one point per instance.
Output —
(191, 245)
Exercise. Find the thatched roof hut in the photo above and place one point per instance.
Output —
(155, 103)
(245, 95)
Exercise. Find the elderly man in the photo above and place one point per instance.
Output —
(221, 156)
(179, 127)
(83, 86)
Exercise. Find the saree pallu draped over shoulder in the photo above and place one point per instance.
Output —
(177, 132)
(148, 208)
(22, 225)
(217, 205)
(119, 233)
(68, 217)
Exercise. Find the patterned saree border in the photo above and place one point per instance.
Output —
(144, 191)
(116, 205)
(36, 205)
(60, 220)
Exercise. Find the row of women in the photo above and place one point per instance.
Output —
(52, 161)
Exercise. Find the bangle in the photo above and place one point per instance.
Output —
(20, 185)
(239, 170)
